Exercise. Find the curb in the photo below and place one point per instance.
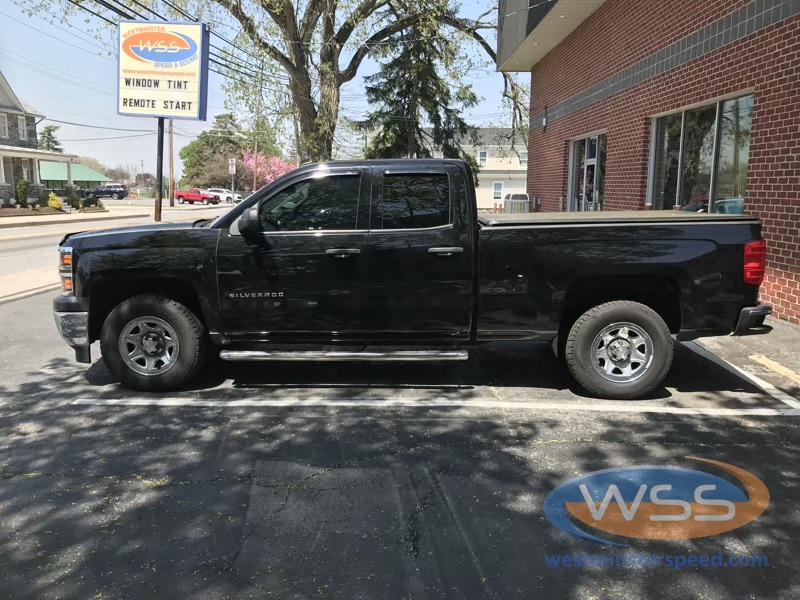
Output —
(29, 293)
(86, 220)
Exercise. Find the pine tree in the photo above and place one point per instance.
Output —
(47, 139)
(410, 91)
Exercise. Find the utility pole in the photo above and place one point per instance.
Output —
(142, 173)
(171, 168)
(159, 169)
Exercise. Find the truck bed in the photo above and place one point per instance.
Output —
(606, 217)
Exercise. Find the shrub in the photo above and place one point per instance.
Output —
(75, 202)
(53, 201)
(43, 197)
(22, 193)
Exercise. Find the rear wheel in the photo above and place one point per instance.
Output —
(205, 201)
(619, 350)
(152, 343)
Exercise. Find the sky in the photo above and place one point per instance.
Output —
(67, 75)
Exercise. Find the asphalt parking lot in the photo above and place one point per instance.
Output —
(360, 481)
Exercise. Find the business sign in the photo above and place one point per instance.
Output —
(656, 503)
(163, 69)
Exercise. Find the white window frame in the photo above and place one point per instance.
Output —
(483, 158)
(523, 162)
(3, 125)
(502, 189)
(22, 124)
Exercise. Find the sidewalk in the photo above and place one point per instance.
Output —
(774, 357)
(75, 217)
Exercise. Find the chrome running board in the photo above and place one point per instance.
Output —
(400, 355)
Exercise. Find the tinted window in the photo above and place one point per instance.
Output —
(313, 204)
(414, 201)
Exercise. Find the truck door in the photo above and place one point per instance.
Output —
(420, 254)
(303, 275)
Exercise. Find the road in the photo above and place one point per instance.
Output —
(360, 481)
(28, 256)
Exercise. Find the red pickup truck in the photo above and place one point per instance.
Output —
(196, 195)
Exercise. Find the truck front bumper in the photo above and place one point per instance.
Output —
(73, 326)
(751, 320)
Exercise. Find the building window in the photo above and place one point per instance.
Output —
(587, 174)
(497, 190)
(483, 156)
(700, 157)
(523, 159)
(3, 126)
(23, 128)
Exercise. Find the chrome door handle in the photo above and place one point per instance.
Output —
(342, 252)
(447, 251)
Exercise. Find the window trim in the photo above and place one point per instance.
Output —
(22, 126)
(486, 158)
(502, 190)
(4, 118)
(521, 162)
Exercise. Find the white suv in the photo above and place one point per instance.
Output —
(227, 195)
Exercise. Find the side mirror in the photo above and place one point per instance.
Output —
(249, 223)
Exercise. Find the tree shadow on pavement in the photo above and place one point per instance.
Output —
(114, 501)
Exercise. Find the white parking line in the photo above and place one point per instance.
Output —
(765, 386)
(444, 403)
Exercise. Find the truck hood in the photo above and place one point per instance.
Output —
(124, 231)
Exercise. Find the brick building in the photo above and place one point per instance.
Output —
(646, 104)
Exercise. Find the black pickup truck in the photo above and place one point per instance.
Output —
(390, 261)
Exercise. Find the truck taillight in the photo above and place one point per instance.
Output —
(755, 262)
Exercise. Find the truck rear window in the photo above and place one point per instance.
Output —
(413, 201)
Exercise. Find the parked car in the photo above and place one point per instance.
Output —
(228, 195)
(115, 191)
(393, 254)
(729, 206)
(196, 195)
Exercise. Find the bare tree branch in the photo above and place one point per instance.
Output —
(360, 14)
(251, 30)
(396, 27)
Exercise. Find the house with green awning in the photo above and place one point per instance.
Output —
(53, 175)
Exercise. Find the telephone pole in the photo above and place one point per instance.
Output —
(171, 169)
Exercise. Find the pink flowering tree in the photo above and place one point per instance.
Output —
(267, 168)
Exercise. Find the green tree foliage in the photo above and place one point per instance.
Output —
(414, 88)
(205, 160)
(47, 139)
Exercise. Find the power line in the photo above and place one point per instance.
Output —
(116, 137)
(94, 126)
(53, 37)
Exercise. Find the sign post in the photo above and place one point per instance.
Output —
(232, 171)
(163, 73)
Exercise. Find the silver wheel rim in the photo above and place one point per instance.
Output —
(148, 346)
(622, 352)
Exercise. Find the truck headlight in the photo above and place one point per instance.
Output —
(65, 270)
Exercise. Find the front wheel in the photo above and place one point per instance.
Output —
(115, 196)
(620, 350)
(180, 199)
(152, 343)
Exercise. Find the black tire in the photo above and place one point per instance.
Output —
(180, 199)
(115, 196)
(205, 201)
(580, 352)
(192, 343)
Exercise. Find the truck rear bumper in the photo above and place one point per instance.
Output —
(751, 320)
(73, 326)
